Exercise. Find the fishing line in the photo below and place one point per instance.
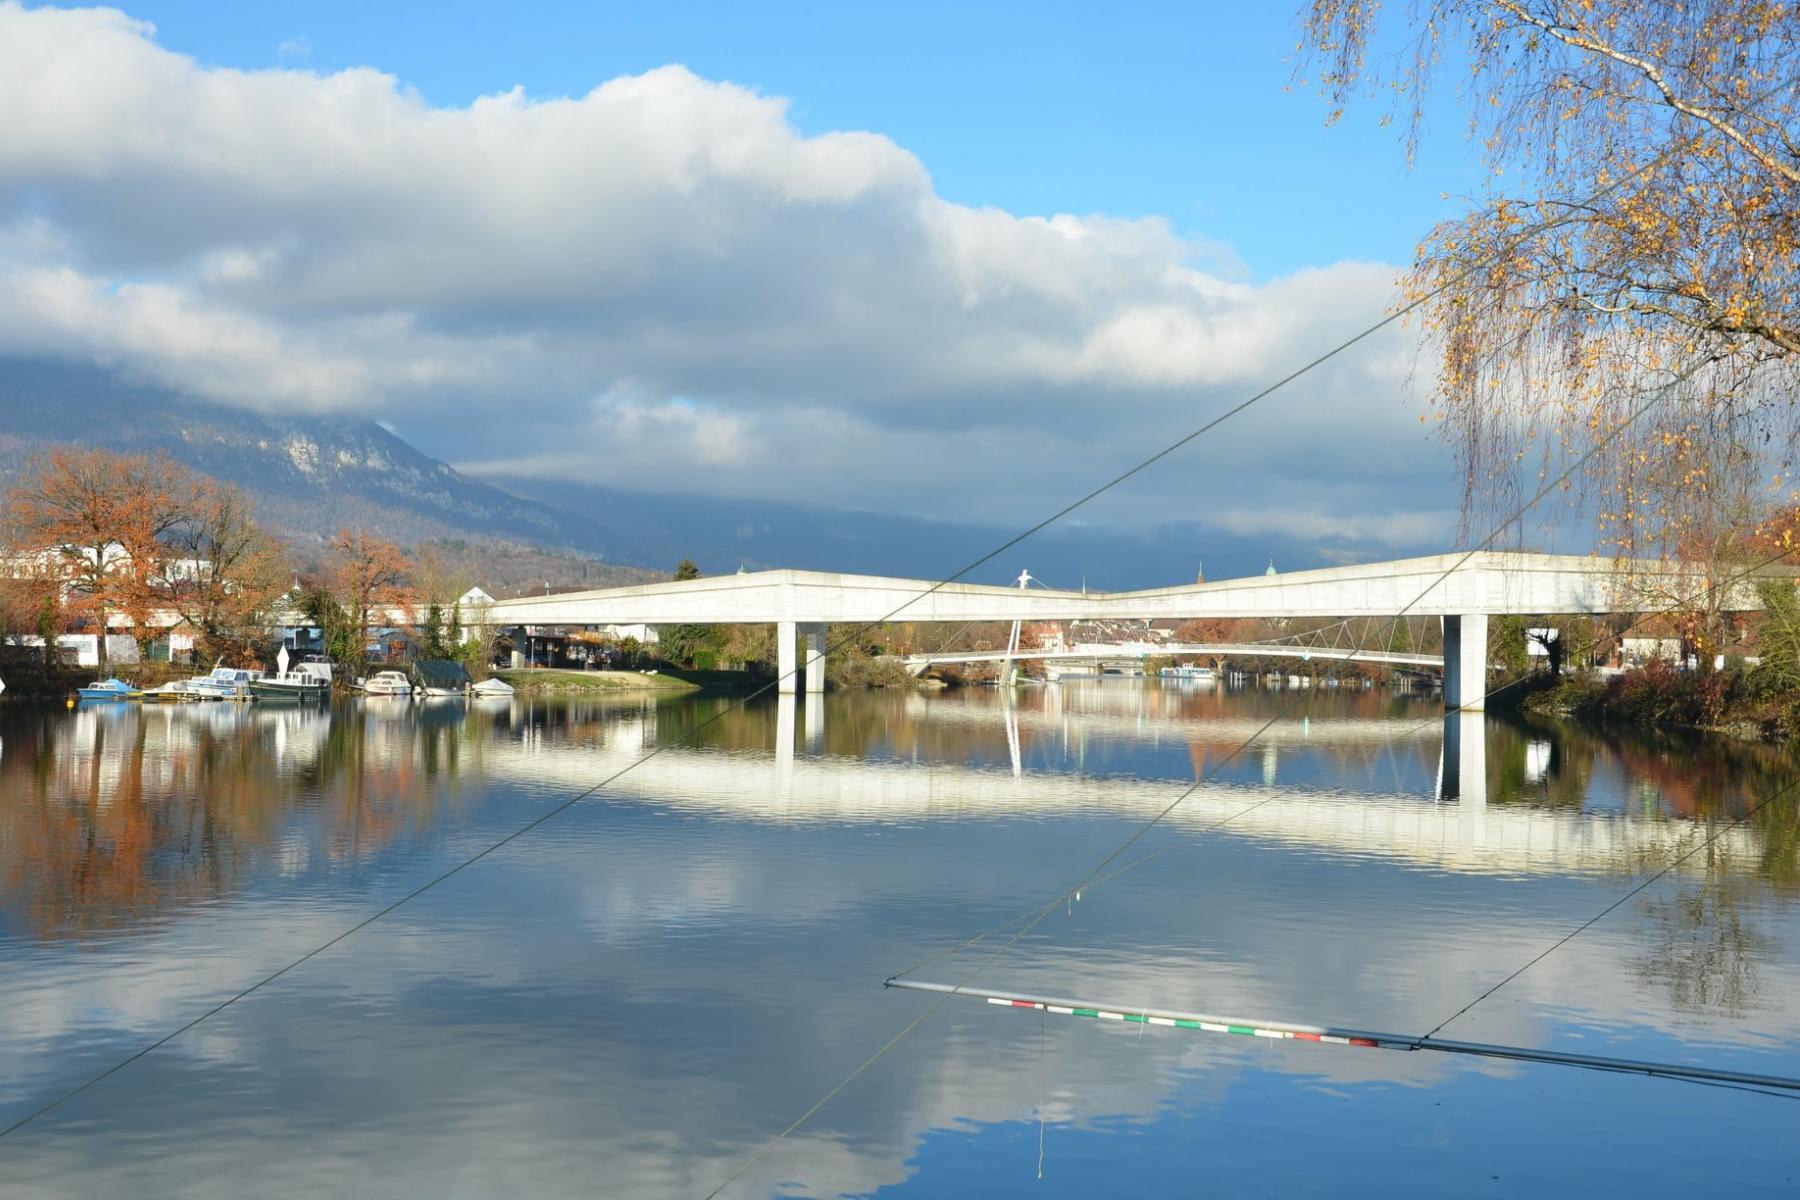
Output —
(1037, 916)
(691, 733)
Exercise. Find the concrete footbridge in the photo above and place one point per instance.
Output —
(1463, 590)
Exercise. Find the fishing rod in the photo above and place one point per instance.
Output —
(1335, 1035)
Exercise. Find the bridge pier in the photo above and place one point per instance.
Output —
(787, 633)
(1465, 662)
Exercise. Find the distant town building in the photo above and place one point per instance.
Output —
(474, 598)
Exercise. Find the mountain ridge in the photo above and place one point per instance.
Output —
(312, 475)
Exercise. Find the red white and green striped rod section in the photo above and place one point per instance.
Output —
(1290, 1031)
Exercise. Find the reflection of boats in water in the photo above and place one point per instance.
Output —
(110, 689)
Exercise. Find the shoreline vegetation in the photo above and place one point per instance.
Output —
(1736, 701)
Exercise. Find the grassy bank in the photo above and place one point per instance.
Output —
(544, 681)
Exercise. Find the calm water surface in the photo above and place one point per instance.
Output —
(630, 998)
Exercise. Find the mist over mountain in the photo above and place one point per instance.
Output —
(722, 534)
(312, 475)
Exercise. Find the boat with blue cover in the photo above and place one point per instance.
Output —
(110, 689)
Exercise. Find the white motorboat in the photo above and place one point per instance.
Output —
(225, 683)
(169, 693)
(388, 683)
(489, 689)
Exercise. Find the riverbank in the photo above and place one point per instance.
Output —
(548, 681)
(1733, 702)
(27, 680)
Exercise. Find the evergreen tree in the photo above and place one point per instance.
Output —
(684, 645)
(434, 646)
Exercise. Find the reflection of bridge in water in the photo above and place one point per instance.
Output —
(1459, 831)
(1142, 722)
(1101, 652)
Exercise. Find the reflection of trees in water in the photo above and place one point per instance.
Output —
(1702, 939)
(111, 817)
(1702, 946)
(1539, 765)
(1702, 778)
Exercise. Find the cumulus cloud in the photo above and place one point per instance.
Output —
(664, 266)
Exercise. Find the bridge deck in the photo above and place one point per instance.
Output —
(1486, 582)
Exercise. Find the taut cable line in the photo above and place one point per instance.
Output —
(1036, 916)
(1680, 605)
(1144, 464)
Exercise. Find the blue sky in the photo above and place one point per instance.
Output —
(1181, 110)
(974, 260)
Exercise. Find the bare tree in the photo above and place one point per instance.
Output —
(231, 573)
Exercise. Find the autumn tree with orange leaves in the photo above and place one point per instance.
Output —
(103, 518)
(368, 578)
(97, 535)
(1625, 300)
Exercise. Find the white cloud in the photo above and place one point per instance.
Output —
(1386, 528)
(663, 264)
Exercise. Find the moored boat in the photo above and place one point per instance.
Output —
(387, 683)
(110, 689)
(437, 678)
(169, 693)
(489, 689)
(291, 685)
(225, 683)
(309, 682)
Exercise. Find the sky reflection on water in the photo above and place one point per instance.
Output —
(632, 997)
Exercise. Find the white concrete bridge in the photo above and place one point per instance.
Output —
(1462, 590)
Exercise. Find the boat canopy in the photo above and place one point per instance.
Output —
(440, 673)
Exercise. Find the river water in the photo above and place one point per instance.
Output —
(633, 996)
